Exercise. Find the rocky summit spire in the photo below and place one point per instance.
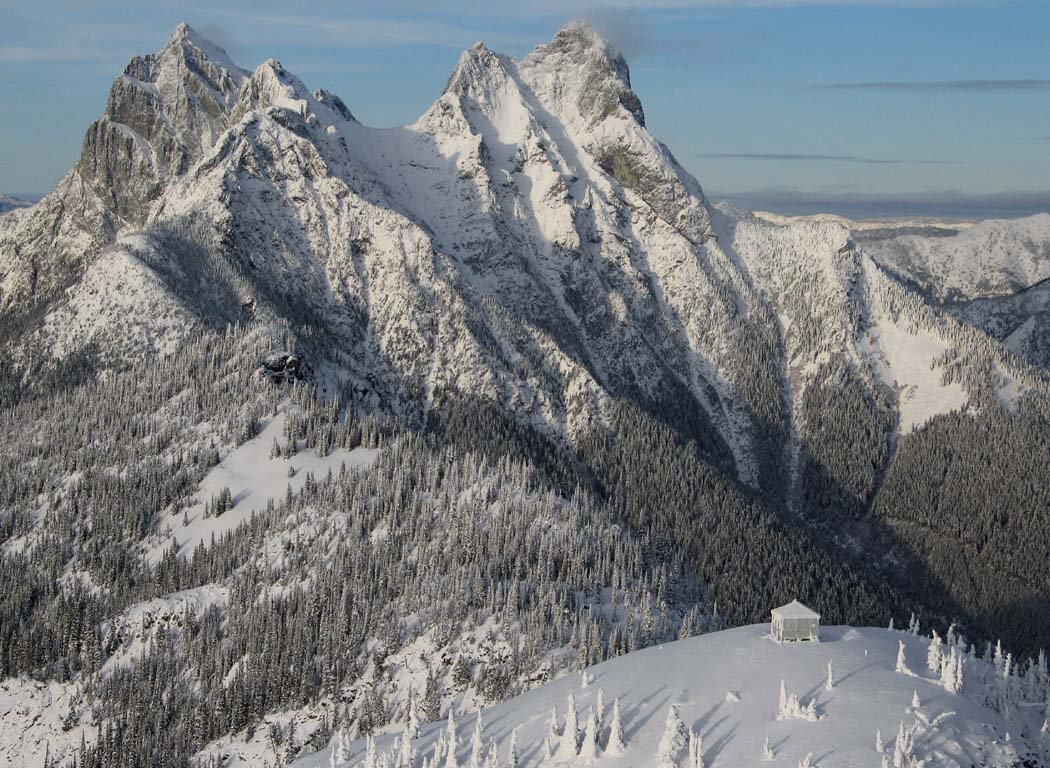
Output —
(163, 114)
(592, 70)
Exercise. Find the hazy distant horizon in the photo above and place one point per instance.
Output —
(867, 207)
(856, 207)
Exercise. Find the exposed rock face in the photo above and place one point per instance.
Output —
(163, 113)
(284, 366)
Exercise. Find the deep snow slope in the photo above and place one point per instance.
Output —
(726, 686)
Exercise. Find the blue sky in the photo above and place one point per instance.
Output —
(796, 103)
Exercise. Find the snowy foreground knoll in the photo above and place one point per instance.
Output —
(726, 687)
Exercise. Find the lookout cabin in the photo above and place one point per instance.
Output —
(795, 623)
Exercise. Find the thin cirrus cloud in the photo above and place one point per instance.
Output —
(965, 86)
(787, 156)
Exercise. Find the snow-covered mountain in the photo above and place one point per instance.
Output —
(527, 241)
(739, 408)
(9, 203)
(992, 259)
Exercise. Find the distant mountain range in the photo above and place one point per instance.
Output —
(9, 203)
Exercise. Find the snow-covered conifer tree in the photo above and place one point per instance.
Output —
(406, 756)
(589, 747)
(902, 663)
(807, 761)
(879, 746)
(933, 655)
(673, 740)
(617, 743)
(438, 756)
(569, 744)
(370, 753)
(830, 682)
(450, 741)
(512, 755)
(915, 703)
(412, 721)
(696, 749)
(334, 760)
(550, 741)
(492, 756)
(476, 744)
(767, 750)
(599, 710)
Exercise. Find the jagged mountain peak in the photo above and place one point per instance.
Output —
(184, 38)
(163, 114)
(590, 71)
(272, 86)
(474, 65)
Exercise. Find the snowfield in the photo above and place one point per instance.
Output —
(905, 360)
(254, 480)
(726, 686)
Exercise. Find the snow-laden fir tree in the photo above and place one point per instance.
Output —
(589, 745)
(790, 706)
(829, 684)
(492, 756)
(617, 742)
(599, 709)
(696, 749)
(902, 663)
(512, 755)
(879, 746)
(807, 761)
(406, 752)
(450, 741)
(550, 741)
(673, 740)
(767, 750)
(476, 745)
(339, 756)
(437, 758)
(412, 719)
(915, 703)
(934, 653)
(570, 739)
(370, 760)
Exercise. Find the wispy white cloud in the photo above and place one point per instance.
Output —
(21, 54)
(788, 156)
(969, 86)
